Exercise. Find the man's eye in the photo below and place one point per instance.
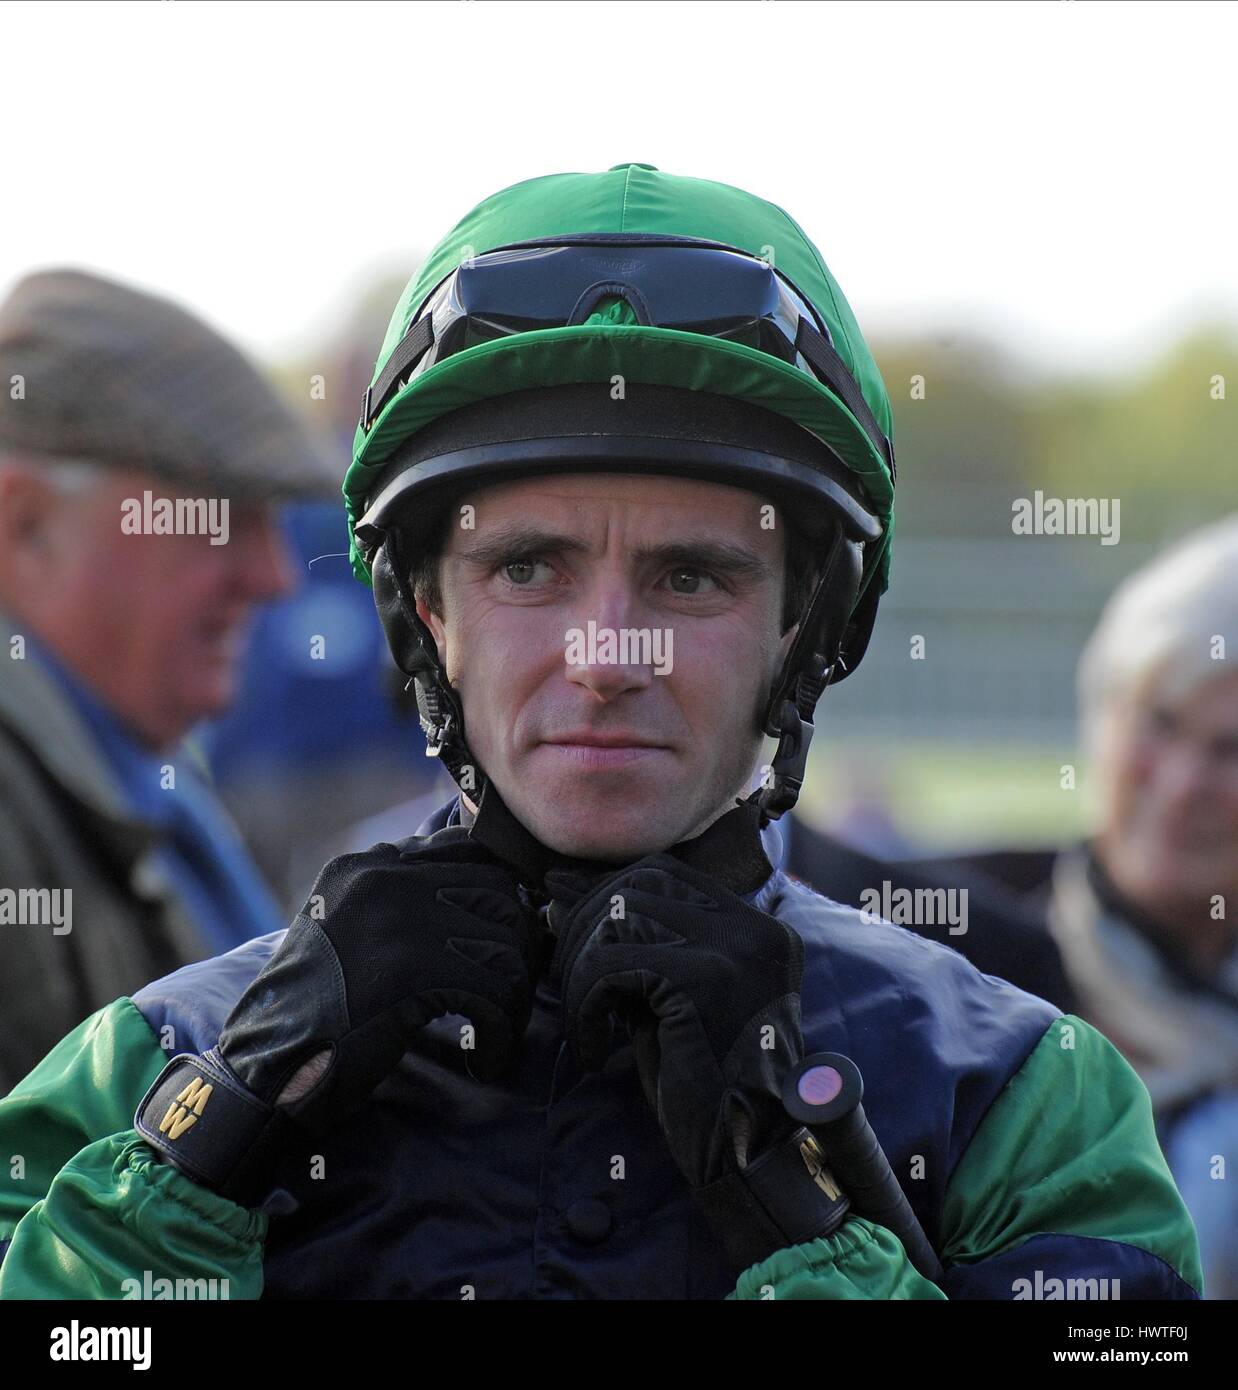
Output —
(520, 571)
(1160, 721)
(692, 578)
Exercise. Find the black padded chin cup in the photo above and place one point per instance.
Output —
(859, 632)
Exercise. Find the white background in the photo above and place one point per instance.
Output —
(1058, 175)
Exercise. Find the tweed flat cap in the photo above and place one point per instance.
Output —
(93, 369)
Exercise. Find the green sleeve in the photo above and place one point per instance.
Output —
(1069, 1151)
(84, 1203)
(859, 1261)
(1063, 1178)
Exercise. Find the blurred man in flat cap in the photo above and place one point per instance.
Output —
(142, 459)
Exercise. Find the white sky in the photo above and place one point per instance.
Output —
(1059, 175)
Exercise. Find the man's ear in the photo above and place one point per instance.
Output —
(788, 639)
(779, 659)
(31, 526)
(435, 624)
(784, 647)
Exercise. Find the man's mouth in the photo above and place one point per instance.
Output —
(225, 639)
(602, 752)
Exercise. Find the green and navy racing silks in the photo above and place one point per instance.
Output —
(1023, 1140)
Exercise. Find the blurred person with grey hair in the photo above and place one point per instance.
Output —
(141, 461)
(1146, 913)
(1141, 917)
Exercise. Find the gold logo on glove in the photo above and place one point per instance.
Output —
(186, 1108)
(814, 1161)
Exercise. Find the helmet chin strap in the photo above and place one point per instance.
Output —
(809, 667)
(729, 849)
(726, 847)
(442, 717)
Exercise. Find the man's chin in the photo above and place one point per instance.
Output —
(1164, 882)
(210, 693)
(617, 835)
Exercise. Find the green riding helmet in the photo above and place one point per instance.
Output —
(630, 321)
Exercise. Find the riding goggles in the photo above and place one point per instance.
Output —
(680, 283)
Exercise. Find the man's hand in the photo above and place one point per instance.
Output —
(387, 941)
(709, 987)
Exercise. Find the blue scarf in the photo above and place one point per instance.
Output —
(202, 854)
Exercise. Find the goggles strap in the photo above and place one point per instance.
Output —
(405, 356)
(832, 370)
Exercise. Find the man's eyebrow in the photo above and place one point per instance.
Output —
(520, 538)
(725, 557)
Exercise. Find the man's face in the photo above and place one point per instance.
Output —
(1169, 836)
(598, 754)
(155, 624)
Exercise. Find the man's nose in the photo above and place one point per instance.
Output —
(607, 649)
(1185, 772)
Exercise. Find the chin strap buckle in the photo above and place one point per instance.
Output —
(435, 715)
(789, 767)
(436, 736)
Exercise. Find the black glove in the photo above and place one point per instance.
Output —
(388, 940)
(709, 988)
